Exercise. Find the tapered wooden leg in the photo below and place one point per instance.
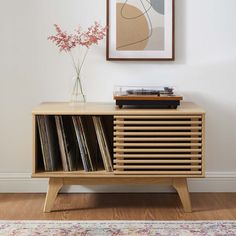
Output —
(181, 186)
(54, 186)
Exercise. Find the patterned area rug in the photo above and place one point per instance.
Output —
(117, 228)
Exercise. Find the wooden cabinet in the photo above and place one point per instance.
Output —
(149, 146)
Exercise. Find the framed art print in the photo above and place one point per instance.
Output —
(140, 29)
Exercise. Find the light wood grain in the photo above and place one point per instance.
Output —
(203, 143)
(116, 144)
(159, 173)
(119, 206)
(119, 175)
(141, 122)
(155, 139)
(148, 167)
(145, 161)
(138, 133)
(118, 181)
(156, 133)
(155, 117)
(181, 186)
(148, 98)
(162, 156)
(34, 167)
(56, 108)
(156, 150)
(146, 128)
(54, 186)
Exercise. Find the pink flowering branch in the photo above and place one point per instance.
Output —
(66, 42)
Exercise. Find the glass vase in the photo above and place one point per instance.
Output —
(77, 94)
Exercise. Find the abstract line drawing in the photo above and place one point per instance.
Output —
(141, 29)
(142, 13)
(135, 17)
(128, 17)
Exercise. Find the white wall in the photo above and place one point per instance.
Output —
(32, 71)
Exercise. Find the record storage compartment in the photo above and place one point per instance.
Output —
(162, 145)
(148, 146)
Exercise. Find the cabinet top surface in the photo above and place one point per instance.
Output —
(52, 108)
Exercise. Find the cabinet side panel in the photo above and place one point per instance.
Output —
(108, 130)
(33, 143)
(38, 164)
(203, 144)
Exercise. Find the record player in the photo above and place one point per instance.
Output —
(147, 97)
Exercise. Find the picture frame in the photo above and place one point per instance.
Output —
(140, 30)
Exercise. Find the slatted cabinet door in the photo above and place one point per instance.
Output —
(165, 145)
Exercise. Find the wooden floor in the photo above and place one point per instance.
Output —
(206, 206)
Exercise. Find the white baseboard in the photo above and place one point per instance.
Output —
(22, 183)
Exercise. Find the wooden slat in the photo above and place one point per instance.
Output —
(159, 117)
(177, 133)
(193, 142)
(150, 172)
(157, 144)
(118, 122)
(156, 139)
(120, 136)
(156, 150)
(157, 155)
(157, 167)
(138, 138)
(157, 128)
(144, 161)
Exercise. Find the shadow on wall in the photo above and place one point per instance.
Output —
(180, 31)
(220, 131)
